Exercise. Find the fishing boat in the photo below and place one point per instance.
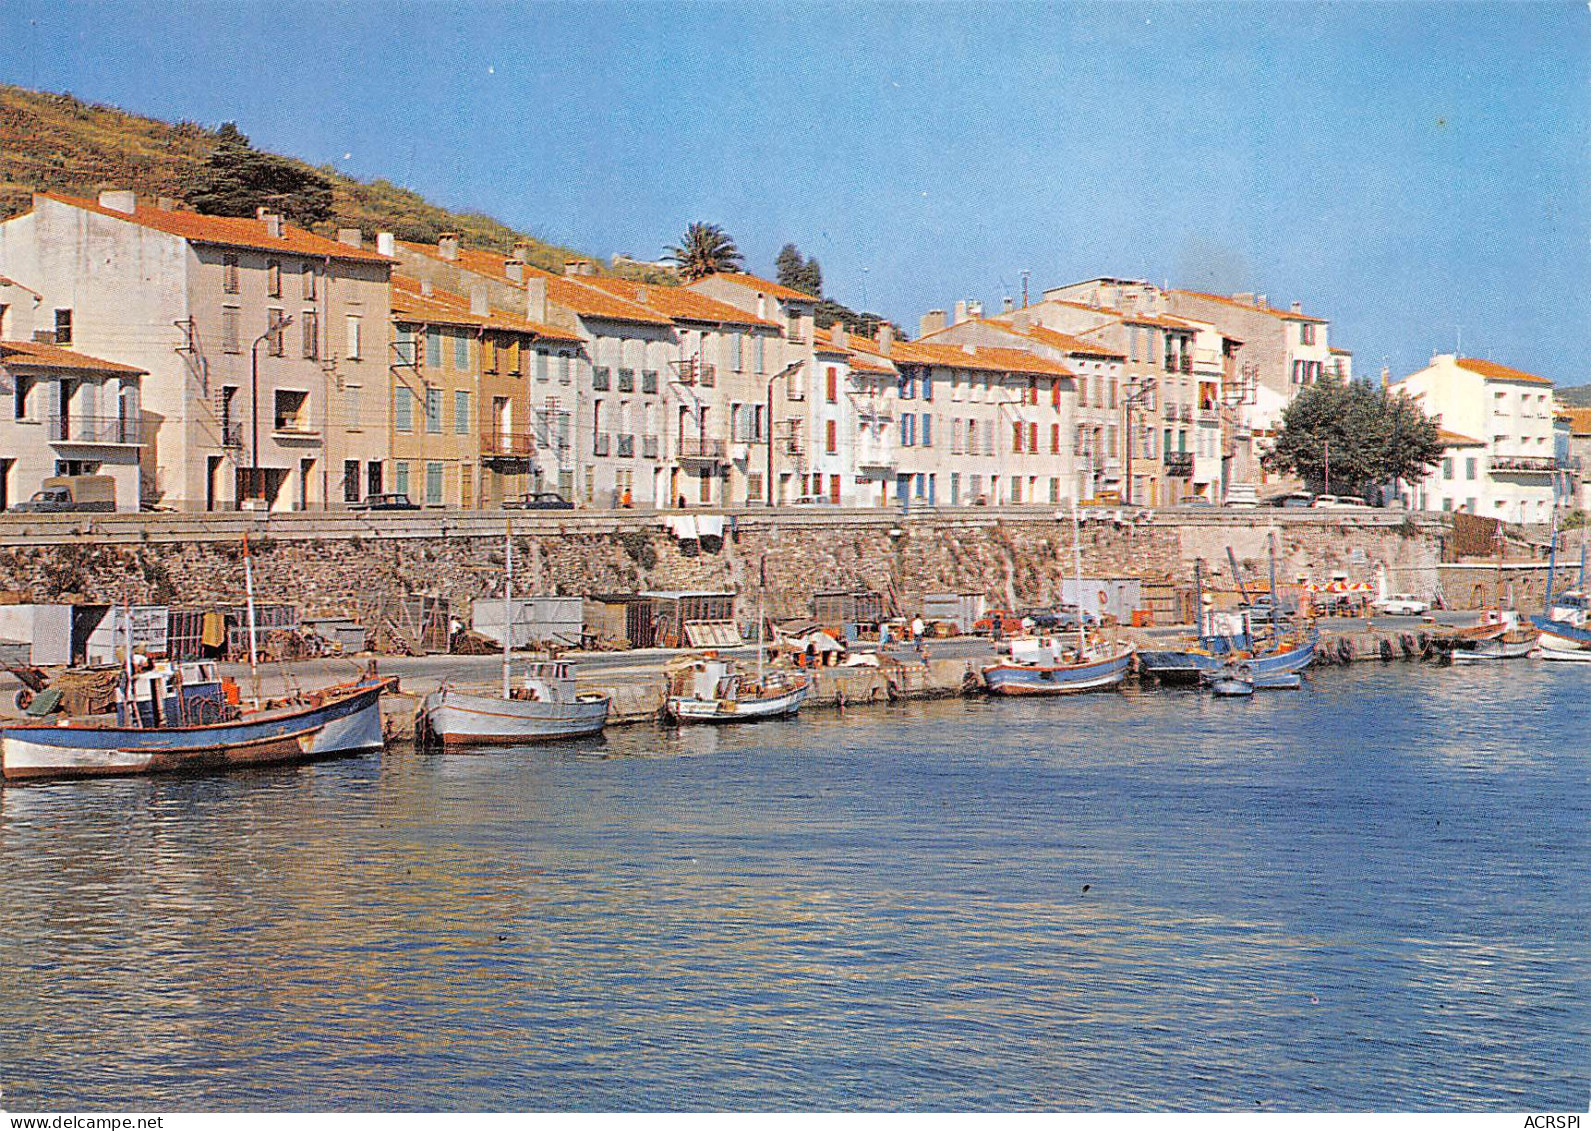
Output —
(177, 718)
(1233, 681)
(544, 707)
(1499, 636)
(1048, 666)
(1280, 681)
(713, 690)
(1563, 619)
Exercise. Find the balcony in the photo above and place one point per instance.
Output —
(1171, 414)
(693, 371)
(507, 445)
(1179, 465)
(294, 429)
(602, 444)
(699, 449)
(111, 431)
(1186, 414)
(626, 446)
(231, 434)
(1526, 465)
(874, 455)
(648, 447)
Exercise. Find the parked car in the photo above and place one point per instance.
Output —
(538, 501)
(1262, 611)
(1293, 499)
(1062, 619)
(1339, 502)
(1004, 622)
(390, 501)
(64, 494)
(1401, 605)
(813, 501)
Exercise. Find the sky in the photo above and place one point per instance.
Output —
(1416, 173)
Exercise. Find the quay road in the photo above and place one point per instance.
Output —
(422, 674)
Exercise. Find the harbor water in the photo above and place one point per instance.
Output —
(1371, 894)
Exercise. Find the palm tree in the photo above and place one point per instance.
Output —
(705, 250)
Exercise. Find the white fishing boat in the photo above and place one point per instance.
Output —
(1498, 636)
(1232, 681)
(713, 690)
(544, 707)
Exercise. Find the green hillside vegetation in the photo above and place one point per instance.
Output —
(59, 143)
(1575, 396)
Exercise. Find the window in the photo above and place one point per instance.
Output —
(566, 367)
(433, 349)
(648, 380)
(433, 483)
(956, 443)
(1055, 490)
(737, 346)
(275, 318)
(461, 349)
(1016, 436)
(291, 410)
(19, 397)
(311, 325)
(1033, 437)
(404, 349)
(229, 274)
(353, 337)
(542, 373)
(927, 382)
(352, 416)
(309, 280)
(600, 380)
(433, 409)
(756, 352)
(273, 278)
(1469, 468)
(626, 380)
(400, 477)
(1306, 333)
(1055, 439)
(928, 431)
(831, 385)
(461, 412)
(907, 389)
(350, 481)
(403, 409)
(229, 330)
(831, 437)
(1447, 468)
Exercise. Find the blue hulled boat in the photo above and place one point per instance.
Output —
(1045, 666)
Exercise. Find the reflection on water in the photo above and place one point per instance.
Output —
(1367, 895)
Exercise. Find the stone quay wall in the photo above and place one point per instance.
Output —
(332, 564)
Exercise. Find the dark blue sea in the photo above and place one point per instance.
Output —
(1371, 894)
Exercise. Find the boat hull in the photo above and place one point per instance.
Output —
(456, 718)
(1057, 679)
(1232, 688)
(344, 724)
(686, 709)
(1497, 648)
(1196, 665)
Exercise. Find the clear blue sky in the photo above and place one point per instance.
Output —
(1402, 169)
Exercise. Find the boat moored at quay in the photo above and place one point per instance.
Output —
(1046, 666)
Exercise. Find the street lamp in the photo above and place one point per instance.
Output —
(1136, 392)
(785, 372)
(254, 413)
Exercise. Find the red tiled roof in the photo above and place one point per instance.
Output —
(1056, 339)
(227, 231)
(862, 353)
(996, 358)
(1266, 309)
(450, 309)
(1454, 440)
(1579, 420)
(777, 290)
(680, 303)
(1490, 369)
(59, 357)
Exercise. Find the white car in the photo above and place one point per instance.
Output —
(1338, 502)
(1402, 605)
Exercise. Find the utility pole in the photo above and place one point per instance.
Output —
(254, 413)
(785, 372)
(1135, 392)
(1327, 444)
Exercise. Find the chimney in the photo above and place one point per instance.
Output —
(447, 245)
(1007, 305)
(515, 270)
(1022, 321)
(1298, 308)
(536, 300)
(1259, 301)
(641, 294)
(931, 323)
(576, 267)
(974, 309)
(166, 203)
(425, 288)
(350, 237)
(961, 313)
(386, 244)
(1244, 297)
(522, 250)
(271, 220)
(839, 335)
(478, 305)
(119, 200)
(886, 338)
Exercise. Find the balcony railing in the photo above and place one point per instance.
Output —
(508, 445)
(602, 444)
(648, 447)
(77, 429)
(1532, 464)
(1186, 413)
(231, 434)
(293, 428)
(626, 446)
(701, 448)
(1179, 465)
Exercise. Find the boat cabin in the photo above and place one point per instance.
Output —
(551, 681)
(174, 695)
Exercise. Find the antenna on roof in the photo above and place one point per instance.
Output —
(1025, 274)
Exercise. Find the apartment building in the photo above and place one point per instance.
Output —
(264, 345)
(70, 414)
(462, 424)
(1500, 460)
(862, 430)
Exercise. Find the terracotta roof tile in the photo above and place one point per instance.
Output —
(451, 309)
(59, 357)
(1266, 309)
(1495, 372)
(1055, 339)
(1454, 440)
(767, 286)
(227, 231)
(679, 303)
(994, 358)
(1579, 419)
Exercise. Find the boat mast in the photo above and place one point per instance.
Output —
(762, 584)
(132, 716)
(1276, 632)
(1077, 569)
(508, 603)
(1198, 598)
(1552, 566)
(248, 594)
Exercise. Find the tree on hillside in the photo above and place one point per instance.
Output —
(797, 273)
(237, 178)
(1364, 435)
(705, 250)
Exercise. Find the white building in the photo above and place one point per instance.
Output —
(1501, 462)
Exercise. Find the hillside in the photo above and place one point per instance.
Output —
(57, 142)
(1575, 396)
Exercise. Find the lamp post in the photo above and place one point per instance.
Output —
(1136, 392)
(768, 400)
(254, 411)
